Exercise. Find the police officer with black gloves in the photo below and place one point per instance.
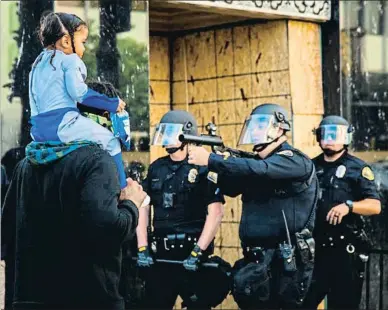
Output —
(188, 209)
(347, 191)
(279, 194)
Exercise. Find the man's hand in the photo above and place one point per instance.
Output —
(134, 192)
(121, 106)
(193, 261)
(198, 155)
(144, 258)
(335, 215)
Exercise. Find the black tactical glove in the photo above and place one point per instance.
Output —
(193, 261)
(144, 258)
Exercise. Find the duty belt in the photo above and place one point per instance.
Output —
(254, 253)
(335, 242)
(172, 242)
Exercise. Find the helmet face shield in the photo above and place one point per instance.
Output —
(334, 134)
(167, 134)
(259, 129)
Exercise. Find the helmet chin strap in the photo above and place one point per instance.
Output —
(261, 147)
(173, 150)
(329, 152)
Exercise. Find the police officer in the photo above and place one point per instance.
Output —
(188, 209)
(347, 191)
(279, 193)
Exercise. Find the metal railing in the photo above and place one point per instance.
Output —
(375, 277)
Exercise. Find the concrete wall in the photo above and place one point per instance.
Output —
(220, 75)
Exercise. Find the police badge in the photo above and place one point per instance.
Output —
(192, 175)
(340, 172)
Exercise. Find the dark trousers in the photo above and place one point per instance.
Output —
(276, 288)
(340, 276)
(164, 282)
(9, 282)
(167, 282)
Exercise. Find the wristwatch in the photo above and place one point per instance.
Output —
(349, 203)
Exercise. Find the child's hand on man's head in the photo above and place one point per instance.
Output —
(121, 105)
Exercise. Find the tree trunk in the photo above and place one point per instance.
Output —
(29, 13)
(114, 18)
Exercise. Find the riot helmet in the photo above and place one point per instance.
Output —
(334, 129)
(171, 126)
(262, 126)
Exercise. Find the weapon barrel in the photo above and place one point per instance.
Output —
(201, 140)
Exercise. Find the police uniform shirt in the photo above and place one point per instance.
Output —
(269, 186)
(180, 194)
(348, 178)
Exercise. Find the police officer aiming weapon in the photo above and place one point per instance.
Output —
(215, 142)
(279, 191)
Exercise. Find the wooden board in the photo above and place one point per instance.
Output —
(156, 113)
(225, 88)
(305, 67)
(200, 56)
(202, 91)
(179, 93)
(224, 51)
(159, 58)
(304, 139)
(179, 59)
(242, 50)
(230, 235)
(159, 92)
(231, 213)
(273, 83)
(269, 46)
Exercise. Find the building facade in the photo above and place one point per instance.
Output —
(220, 59)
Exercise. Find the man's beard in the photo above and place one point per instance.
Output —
(330, 153)
(172, 150)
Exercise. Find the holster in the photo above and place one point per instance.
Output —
(306, 246)
(362, 242)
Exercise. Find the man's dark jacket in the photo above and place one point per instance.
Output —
(63, 226)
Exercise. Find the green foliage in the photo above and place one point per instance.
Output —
(133, 80)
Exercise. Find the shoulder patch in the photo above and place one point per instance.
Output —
(368, 174)
(212, 177)
(288, 153)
